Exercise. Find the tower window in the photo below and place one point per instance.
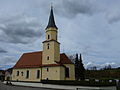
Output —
(38, 73)
(47, 69)
(47, 57)
(48, 46)
(48, 36)
(27, 74)
(17, 73)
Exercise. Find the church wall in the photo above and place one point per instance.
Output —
(71, 71)
(32, 74)
(62, 73)
(57, 52)
(53, 73)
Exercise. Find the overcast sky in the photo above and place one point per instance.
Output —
(90, 27)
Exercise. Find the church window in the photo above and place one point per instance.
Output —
(47, 57)
(38, 73)
(67, 72)
(27, 74)
(47, 69)
(17, 73)
(22, 73)
(46, 78)
(48, 46)
(48, 36)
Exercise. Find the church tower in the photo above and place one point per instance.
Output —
(51, 47)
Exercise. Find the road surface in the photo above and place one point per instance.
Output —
(12, 87)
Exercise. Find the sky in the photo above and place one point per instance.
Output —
(89, 27)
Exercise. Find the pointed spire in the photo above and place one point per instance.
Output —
(80, 57)
(76, 60)
(51, 22)
(77, 57)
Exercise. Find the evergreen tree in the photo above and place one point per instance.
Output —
(76, 67)
(81, 69)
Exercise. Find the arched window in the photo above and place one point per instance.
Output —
(17, 73)
(22, 73)
(47, 79)
(27, 74)
(38, 73)
(47, 69)
(48, 46)
(48, 36)
(67, 72)
(48, 58)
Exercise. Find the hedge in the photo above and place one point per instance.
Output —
(78, 83)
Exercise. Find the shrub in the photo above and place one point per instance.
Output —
(78, 83)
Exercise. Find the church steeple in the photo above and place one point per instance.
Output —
(51, 22)
(51, 47)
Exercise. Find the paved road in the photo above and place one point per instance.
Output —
(8, 87)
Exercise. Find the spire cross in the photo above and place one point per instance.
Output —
(51, 5)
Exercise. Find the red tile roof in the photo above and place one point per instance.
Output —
(64, 59)
(34, 60)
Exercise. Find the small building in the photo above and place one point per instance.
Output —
(8, 74)
(48, 64)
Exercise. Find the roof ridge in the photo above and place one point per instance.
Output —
(33, 52)
(38, 52)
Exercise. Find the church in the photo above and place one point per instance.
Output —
(48, 64)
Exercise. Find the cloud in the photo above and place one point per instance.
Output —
(114, 17)
(112, 13)
(2, 50)
(20, 30)
(71, 8)
(6, 59)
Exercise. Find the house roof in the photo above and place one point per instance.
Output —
(34, 60)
